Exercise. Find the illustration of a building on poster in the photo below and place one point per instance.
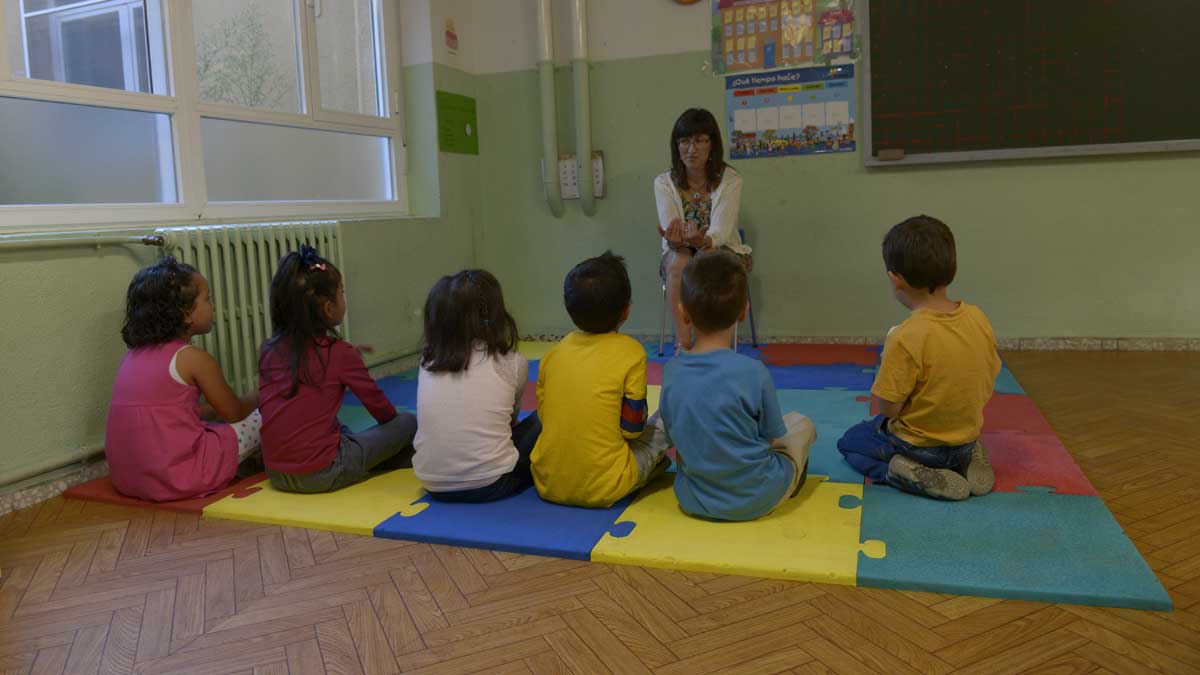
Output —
(790, 112)
(757, 35)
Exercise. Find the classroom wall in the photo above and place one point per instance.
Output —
(1099, 247)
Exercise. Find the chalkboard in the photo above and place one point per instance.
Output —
(953, 80)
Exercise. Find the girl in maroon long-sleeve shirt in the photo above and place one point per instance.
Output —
(304, 371)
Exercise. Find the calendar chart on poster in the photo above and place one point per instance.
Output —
(801, 111)
(758, 35)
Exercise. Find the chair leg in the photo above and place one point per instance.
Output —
(662, 321)
(753, 329)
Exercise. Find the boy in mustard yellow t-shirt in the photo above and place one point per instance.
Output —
(937, 373)
(596, 444)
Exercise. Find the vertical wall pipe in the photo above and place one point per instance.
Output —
(583, 109)
(549, 111)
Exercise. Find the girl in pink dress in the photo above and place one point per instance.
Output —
(157, 445)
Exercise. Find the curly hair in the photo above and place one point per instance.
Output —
(157, 303)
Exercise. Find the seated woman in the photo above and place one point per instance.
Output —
(698, 201)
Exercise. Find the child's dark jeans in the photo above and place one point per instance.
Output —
(869, 445)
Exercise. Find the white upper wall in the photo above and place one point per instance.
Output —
(497, 36)
(416, 38)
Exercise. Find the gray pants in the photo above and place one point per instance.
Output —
(650, 449)
(357, 455)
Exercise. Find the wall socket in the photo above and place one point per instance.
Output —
(568, 178)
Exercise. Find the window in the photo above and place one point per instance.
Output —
(162, 110)
(101, 44)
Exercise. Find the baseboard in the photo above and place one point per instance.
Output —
(28, 492)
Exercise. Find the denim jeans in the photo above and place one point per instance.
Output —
(868, 447)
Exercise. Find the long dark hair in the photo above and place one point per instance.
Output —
(301, 286)
(695, 121)
(461, 310)
(157, 303)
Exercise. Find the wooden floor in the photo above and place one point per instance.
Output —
(90, 588)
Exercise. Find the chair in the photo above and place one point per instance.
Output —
(666, 310)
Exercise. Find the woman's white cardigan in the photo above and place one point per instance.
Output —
(723, 219)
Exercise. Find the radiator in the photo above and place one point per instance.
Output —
(239, 261)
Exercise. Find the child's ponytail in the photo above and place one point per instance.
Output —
(301, 286)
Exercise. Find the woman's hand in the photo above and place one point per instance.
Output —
(673, 234)
(699, 240)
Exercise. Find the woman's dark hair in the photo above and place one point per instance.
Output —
(301, 286)
(462, 310)
(695, 121)
(157, 303)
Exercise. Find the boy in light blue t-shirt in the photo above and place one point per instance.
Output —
(739, 458)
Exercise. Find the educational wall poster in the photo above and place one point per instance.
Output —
(802, 111)
(759, 35)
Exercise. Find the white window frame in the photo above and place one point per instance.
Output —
(182, 104)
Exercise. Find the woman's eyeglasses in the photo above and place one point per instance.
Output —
(701, 141)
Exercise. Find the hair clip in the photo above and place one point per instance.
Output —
(309, 256)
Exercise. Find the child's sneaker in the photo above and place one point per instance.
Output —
(978, 473)
(912, 476)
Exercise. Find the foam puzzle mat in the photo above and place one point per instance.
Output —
(1044, 534)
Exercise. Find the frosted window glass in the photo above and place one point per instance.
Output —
(61, 153)
(346, 50)
(247, 53)
(246, 161)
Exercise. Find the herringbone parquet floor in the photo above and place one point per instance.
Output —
(92, 588)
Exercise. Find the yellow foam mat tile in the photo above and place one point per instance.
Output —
(813, 537)
(353, 510)
(535, 350)
(653, 395)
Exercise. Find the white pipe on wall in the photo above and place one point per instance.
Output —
(549, 110)
(583, 108)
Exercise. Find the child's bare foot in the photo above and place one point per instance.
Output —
(912, 476)
(978, 473)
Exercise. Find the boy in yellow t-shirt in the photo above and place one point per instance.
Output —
(937, 373)
(596, 444)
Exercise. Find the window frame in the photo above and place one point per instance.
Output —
(180, 101)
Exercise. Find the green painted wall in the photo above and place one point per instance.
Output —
(1080, 247)
(61, 341)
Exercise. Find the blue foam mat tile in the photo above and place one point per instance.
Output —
(522, 523)
(836, 376)
(832, 411)
(1029, 545)
(356, 418)
(1006, 382)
